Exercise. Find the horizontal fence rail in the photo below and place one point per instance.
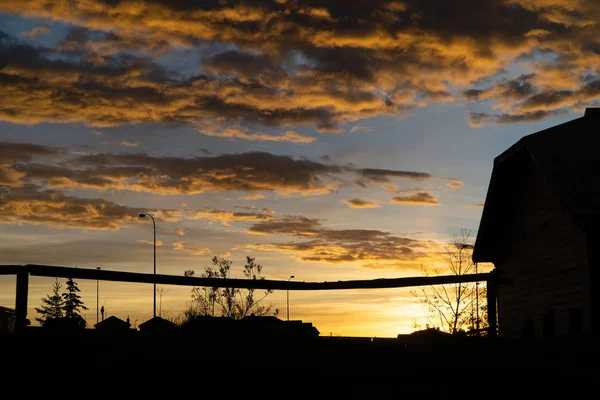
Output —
(120, 276)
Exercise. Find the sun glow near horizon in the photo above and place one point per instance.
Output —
(328, 142)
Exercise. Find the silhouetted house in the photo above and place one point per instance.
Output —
(261, 325)
(271, 326)
(205, 325)
(250, 326)
(7, 320)
(158, 325)
(112, 325)
(540, 227)
(428, 335)
(302, 329)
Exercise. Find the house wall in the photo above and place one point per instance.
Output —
(7, 320)
(546, 255)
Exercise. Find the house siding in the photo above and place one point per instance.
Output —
(546, 255)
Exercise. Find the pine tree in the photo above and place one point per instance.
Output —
(73, 303)
(52, 305)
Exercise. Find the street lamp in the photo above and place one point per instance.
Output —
(154, 229)
(97, 296)
(288, 299)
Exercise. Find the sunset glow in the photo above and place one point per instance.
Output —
(329, 140)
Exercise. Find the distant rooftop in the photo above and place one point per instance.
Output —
(592, 112)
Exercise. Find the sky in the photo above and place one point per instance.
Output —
(329, 140)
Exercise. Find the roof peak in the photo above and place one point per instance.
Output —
(592, 111)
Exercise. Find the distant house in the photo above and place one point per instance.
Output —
(7, 320)
(302, 329)
(158, 325)
(269, 326)
(113, 325)
(266, 326)
(540, 227)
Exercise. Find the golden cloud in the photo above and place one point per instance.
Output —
(454, 183)
(421, 198)
(323, 64)
(288, 136)
(158, 242)
(320, 244)
(248, 172)
(54, 209)
(191, 248)
(225, 217)
(361, 203)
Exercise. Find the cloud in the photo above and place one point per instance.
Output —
(321, 244)
(30, 204)
(14, 153)
(37, 31)
(21, 152)
(383, 175)
(295, 63)
(254, 196)
(454, 183)
(421, 198)
(191, 248)
(158, 242)
(478, 119)
(248, 172)
(360, 203)
(225, 216)
(129, 144)
(237, 133)
(53, 209)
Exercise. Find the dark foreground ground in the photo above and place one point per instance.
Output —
(182, 366)
(325, 356)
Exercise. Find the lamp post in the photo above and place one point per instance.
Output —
(288, 299)
(97, 295)
(154, 229)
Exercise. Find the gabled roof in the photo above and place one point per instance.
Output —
(157, 323)
(112, 322)
(566, 156)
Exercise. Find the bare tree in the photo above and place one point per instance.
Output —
(247, 304)
(459, 307)
(228, 302)
(161, 292)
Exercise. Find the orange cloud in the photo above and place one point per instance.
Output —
(254, 196)
(288, 136)
(454, 183)
(249, 172)
(421, 198)
(323, 64)
(158, 242)
(225, 217)
(191, 248)
(53, 209)
(360, 203)
(37, 31)
(320, 244)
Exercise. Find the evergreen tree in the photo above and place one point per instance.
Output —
(73, 303)
(52, 305)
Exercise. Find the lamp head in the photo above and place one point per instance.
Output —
(142, 215)
(292, 277)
